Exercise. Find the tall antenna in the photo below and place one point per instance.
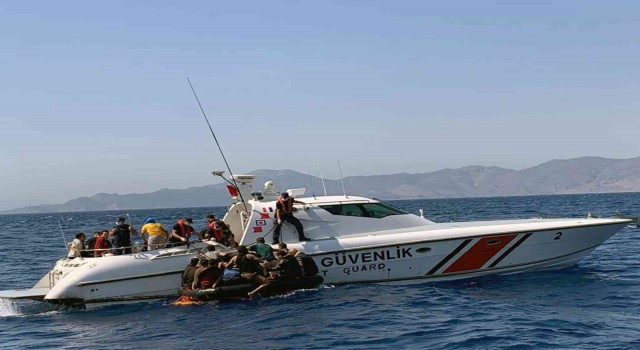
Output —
(342, 180)
(217, 143)
(311, 181)
(64, 241)
(322, 177)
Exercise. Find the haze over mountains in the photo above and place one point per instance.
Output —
(579, 175)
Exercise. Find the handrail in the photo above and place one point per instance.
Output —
(141, 248)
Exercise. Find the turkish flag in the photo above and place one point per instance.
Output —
(233, 191)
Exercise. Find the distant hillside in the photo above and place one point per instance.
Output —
(579, 175)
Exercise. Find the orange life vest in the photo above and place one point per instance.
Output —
(287, 205)
(184, 229)
(218, 234)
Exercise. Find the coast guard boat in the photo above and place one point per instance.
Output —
(352, 239)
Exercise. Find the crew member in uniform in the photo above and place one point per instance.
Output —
(284, 212)
(121, 235)
(181, 232)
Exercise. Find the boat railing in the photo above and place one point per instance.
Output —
(139, 248)
(90, 253)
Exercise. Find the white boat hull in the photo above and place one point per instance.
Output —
(100, 281)
(120, 279)
(441, 260)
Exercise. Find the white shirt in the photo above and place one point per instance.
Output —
(211, 255)
(76, 247)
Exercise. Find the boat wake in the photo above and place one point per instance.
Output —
(21, 308)
(8, 308)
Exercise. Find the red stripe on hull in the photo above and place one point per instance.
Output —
(480, 253)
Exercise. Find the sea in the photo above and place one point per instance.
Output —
(593, 305)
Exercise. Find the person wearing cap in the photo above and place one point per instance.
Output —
(284, 212)
(154, 234)
(218, 231)
(121, 237)
(181, 232)
(213, 229)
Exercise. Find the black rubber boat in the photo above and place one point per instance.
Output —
(238, 288)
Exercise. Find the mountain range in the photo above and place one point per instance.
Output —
(578, 175)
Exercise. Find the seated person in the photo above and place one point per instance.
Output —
(309, 267)
(264, 251)
(214, 254)
(189, 273)
(282, 246)
(250, 269)
(288, 267)
(208, 275)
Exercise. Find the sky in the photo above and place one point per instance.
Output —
(94, 96)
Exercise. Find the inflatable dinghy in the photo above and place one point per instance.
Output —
(238, 289)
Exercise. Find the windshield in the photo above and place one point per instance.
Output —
(368, 210)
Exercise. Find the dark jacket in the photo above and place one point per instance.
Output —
(288, 268)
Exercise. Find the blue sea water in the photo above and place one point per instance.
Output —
(594, 305)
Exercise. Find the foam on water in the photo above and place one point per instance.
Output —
(26, 308)
(8, 308)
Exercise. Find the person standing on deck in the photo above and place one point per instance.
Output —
(102, 245)
(181, 232)
(77, 246)
(90, 243)
(284, 212)
(121, 234)
(154, 234)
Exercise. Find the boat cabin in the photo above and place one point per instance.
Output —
(323, 217)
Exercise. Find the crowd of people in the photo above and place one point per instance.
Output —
(258, 264)
(117, 241)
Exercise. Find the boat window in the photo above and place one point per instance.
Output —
(380, 210)
(369, 210)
